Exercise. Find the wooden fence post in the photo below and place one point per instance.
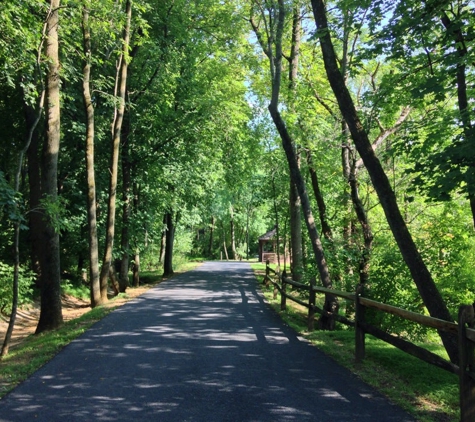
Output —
(311, 309)
(359, 331)
(466, 364)
(283, 298)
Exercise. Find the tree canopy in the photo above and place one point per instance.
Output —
(165, 143)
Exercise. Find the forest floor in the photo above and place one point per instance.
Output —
(27, 318)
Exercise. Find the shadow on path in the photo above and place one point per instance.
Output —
(202, 346)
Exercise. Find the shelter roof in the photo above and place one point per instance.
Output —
(269, 235)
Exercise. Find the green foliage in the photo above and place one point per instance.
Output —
(25, 289)
(56, 212)
(8, 200)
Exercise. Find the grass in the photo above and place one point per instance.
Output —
(36, 350)
(430, 394)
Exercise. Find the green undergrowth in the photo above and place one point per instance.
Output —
(430, 394)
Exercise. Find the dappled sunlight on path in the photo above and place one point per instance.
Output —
(200, 347)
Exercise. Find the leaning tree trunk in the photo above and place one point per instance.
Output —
(331, 303)
(419, 271)
(116, 135)
(95, 290)
(51, 314)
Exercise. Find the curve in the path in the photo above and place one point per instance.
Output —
(202, 346)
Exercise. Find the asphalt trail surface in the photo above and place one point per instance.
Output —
(203, 346)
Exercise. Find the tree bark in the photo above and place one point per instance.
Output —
(296, 233)
(51, 313)
(211, 233)
(275, 60)
(116, 136)
(136, 269)
(233, 234)
(365, 226)
(294, 199)
(170, 237)
(94, 281)
(126, 206)
(163, 242)
(322, 208)
(35, 219)
(420, 274)
(31, 126)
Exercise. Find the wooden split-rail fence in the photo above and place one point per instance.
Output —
(464, 330)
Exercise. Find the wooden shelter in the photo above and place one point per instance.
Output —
(268, 246)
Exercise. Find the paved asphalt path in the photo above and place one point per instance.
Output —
(202, 346)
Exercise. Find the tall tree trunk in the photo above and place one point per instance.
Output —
(163, 243)
(127, 205)
(170, 237)
(116, 135)
(31, 126)
(95, 290)
(35, 219)
(233, 234)
(296, 233)
(136, 265)
(294, 199)
(420, 274)
(136, 268)
(211, 234)
(51, 313)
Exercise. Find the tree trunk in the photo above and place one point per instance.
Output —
(295, 233)
(95, 289)
(294, 199)
(331, 303)
(163, 243)
(127, 205)
(136, 269)
(51, 314)
(31, 126)
(35, 219)
(420, 274)
(322, 209)
(275, 61)
(365, 226)
(116, 136)
(233, 234)
(211, 233)
(224, 243)
(170, 237)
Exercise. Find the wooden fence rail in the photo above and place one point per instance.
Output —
(464, 330)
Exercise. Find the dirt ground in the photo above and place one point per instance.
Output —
(27, 318)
